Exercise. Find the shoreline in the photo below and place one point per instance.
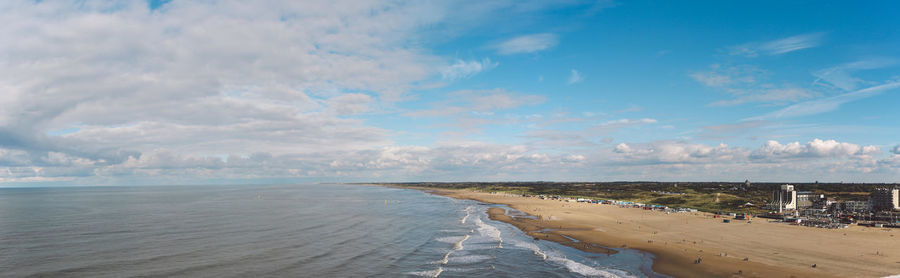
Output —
(598, 228)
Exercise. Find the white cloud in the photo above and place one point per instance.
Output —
(574, 77)
(841, 76)
(779, 46)
(626, 122)
(555, 139)
(482, 101)
(466, 69)
(674, 152)
(773, 161)
(622, 148)
(819, 106)
(815, 148)
(711, 79)
(527, 44)
(198, 80)
(348, 104)
(895, 149)
(773, 95)
(745, 83)
(446, 161)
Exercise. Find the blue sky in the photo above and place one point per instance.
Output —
(182, 92)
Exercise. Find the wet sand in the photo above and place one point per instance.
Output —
(737, 249)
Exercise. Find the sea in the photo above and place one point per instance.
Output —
(302, 230)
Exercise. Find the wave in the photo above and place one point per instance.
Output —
(446, 258)
(428, 273)
(470, 259)
(489, 231)
(468, 211)
(458, 245)
(571, 265)
(450, 239)
(581, 268)
(458, 269)
(531, 246)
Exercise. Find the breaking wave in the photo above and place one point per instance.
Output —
(470, 259)
(468, 212)
(458, 245)
(428, 273)
(533, 247)
(489, 231)
(571, 265)
(450, 239)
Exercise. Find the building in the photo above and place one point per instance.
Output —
(810, 200)
(885, 199)
(853, 206)
(784, 199)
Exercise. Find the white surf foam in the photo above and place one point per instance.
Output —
(571, 265)
(458, 245)
(446, 258)
(428, 273)
(470, 259)
(489, 231)
(531, 246)
(458, 269)
(581, 268)
(450, 239)
(468, 212)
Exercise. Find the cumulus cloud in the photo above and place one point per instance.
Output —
(442, 162)
(622, 148)
(674, 152)
(779, 46)
(815, 148)
(668, 152)
(527, 44)
(466, 69)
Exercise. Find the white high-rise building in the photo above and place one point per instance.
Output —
(784, 199)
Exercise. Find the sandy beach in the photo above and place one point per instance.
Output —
(678, 240)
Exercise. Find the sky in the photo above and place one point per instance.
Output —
(226, 91)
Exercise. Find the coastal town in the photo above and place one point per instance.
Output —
(803, 208)
(872, 205)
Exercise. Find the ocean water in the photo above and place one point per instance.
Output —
(310, 230)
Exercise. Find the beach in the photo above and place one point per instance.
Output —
(680, 240)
